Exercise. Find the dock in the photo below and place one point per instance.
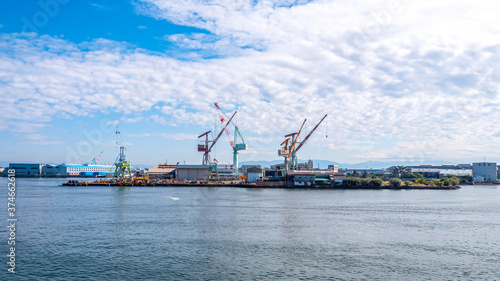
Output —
(283, 185)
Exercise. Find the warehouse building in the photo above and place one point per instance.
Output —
(26, 169)
(484, 171)
(192, 172)
(254, 174)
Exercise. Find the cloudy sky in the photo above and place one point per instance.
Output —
(399, 79)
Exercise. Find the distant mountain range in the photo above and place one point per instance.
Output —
(323, 164)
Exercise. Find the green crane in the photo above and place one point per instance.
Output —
(121, 164)
(234, 144)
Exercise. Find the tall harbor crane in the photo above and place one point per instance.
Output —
(206, 151)
(294, 160)
(286, 150)
(236, 146)
(205, 148)
(96, 160)
(121, 164)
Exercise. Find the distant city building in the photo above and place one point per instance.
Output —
(361, 171)
(26, 169)
(309, 165)
(465, 166)
(484, 171)
(333, 168)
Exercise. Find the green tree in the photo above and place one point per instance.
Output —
(446, 182)
(395, 182)
(454, 181)
(353, 181)
(365, 182)
(407, 183)
(398, 171)
(376, 182)
(365, 174)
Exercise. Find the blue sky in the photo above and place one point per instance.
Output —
(400, 81)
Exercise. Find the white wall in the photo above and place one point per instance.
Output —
(486, 170)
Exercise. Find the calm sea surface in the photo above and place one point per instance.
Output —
(166, 233)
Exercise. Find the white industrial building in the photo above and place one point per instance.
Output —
(484, 171)
(254, 174)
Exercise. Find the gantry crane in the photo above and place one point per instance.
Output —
(236, 146)
(294, 160)
(121, 164)
(286, 151)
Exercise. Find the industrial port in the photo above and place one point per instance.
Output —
(288, 174)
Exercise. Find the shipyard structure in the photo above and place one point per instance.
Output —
(209, 171)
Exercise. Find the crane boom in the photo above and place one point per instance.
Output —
(310, 133)
(204, 134)
(222, 131)
(296, 138)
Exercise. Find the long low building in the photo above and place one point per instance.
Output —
(316, 176)
(26, 169)
(441, 173)
(162, 172)
(78, 170)
(192, 172)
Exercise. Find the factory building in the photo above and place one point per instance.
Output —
(316, 177)
(86, 169)
(26, 169)
(52, 170)
(244, 168)
(226, 172)
(162, 172)
(192, 172)
(254, 174)
(484, 171)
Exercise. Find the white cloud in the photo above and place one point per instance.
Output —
(428, 70)
(165, 135)
(131, 120)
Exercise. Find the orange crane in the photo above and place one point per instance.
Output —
(205, 149)
(287, 151)
(295, 165)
